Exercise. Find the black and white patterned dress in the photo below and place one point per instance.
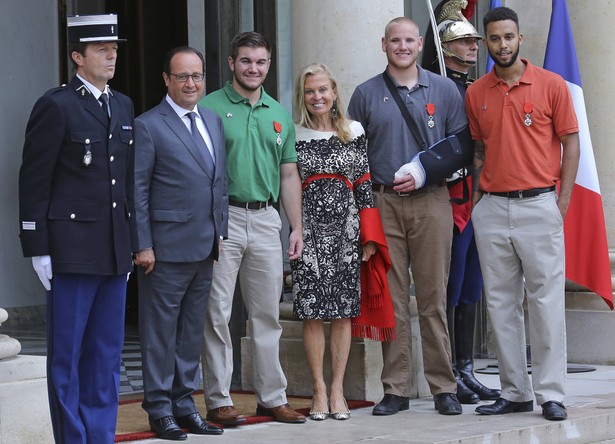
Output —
(326, 276)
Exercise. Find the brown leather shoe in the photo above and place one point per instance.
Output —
(227, 415)
(281, 413)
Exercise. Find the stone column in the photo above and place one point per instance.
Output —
(344, 35)
(592, 24)
(587, 316)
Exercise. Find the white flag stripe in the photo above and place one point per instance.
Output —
(587, 175)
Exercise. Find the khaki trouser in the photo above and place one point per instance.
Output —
(419, 231)
(521, 247)
(254, 252)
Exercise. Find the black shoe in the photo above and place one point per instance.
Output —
(464, 394)
(167, 428)
(195, 424)
(503, 406)
(447, 404)
(391, 404)
(554, 411)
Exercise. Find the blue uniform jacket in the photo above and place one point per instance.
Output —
(77, 212)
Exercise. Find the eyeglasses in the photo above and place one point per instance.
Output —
(196, 78)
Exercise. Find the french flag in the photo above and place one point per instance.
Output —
(587, 255)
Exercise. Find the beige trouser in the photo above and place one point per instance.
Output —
(254, 252)
(521, 246)
(419, 230)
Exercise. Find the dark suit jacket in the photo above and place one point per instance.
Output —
(78, 214)
(180, 210)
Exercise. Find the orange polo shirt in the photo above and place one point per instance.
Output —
(520, 156)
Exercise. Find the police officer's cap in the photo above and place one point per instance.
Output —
(93, 28)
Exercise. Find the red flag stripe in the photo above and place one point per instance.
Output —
(586, 243)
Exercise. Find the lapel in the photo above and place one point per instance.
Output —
(90, 104)
(174, 122)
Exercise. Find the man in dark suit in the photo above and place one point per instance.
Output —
(181, 206)
(75, 197)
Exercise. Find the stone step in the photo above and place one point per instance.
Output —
(588, 322)
(24, 408)
(362, 378)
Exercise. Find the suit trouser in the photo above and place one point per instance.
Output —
(419, 230)
(172, 305)
(85, 335)
(254, 252)
(521, 244)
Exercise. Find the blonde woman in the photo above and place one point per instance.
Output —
(332, 160)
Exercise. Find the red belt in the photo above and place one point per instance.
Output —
(344, 179)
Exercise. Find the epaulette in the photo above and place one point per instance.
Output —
(56, 89)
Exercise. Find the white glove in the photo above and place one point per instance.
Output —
(415, 169)
(42, 266)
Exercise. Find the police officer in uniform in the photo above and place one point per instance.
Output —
(75, 199)
(459, 44)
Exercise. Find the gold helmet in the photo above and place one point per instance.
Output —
(452, 25)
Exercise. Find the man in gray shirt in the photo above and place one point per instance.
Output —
(418, 223)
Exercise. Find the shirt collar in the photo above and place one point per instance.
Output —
(235, 97)
(527, 77)
(181, 112)
(423, 78)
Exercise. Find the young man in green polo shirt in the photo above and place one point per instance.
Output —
(262, 166)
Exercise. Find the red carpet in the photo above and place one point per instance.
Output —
(132, 420)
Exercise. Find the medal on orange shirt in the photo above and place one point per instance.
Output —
(527, 109)
(431, 109)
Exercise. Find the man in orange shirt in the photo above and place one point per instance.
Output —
(526, 140)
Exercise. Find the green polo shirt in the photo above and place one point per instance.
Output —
(254, 149)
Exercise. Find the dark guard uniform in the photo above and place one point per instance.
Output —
(76, 212)
(76, 200)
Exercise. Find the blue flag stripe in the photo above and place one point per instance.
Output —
(492, 5)
(561, 54)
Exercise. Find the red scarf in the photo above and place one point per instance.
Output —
(377, 318)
